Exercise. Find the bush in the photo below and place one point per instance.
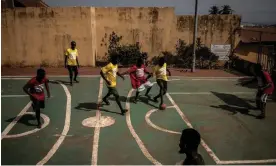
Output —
(128, 54)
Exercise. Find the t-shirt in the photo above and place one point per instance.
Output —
(36, 88)
(71, 56)
(137, 76)
(265, 79)
(195, 160)
(161, 72)
(110, 72)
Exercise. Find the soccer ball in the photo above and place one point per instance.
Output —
(163, 107)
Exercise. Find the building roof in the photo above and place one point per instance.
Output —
(252, 35)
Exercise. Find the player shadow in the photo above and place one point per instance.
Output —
(61, 81)
(234, 104)
(142, 99)
(25, 120)
(93, 106)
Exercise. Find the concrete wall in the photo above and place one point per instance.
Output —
(31, 36)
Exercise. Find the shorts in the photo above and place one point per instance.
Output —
(72, 68)
(144, 86)
(261, 96)
(162, 84)
(113, 91)
(37, 104)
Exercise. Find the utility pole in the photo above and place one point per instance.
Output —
(195, 36)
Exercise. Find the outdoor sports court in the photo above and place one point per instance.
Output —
(76, 131)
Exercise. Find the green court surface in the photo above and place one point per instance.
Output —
(76, 131)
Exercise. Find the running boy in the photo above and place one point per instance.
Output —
(138, 79)
(160, 71)
(265, 88)
(189, 141)
(109, 73)
(71, 62)
(34, 88)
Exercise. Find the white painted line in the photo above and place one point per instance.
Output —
(266, 161)
(134, 134)
(65, 129)
(185, 119)
(13, 123)
(95, 147)
(207, 93)
(6, 96)
(147, 118)
(46, 123)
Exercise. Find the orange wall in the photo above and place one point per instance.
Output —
(33, 36)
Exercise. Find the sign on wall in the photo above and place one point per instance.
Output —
(222, 51)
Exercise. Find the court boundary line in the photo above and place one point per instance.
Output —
(65, 130)
(206, 93)
(209, 150)
(95, 145)
(14, 121)
(135, 135)
(10, 96)
(185, 119)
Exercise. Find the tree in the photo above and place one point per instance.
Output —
(214, 10)
(226, 9)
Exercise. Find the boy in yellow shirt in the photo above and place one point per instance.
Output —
(160, 71)
(109, 73)
(71, 62)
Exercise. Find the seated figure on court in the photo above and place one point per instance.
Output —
(138, 79)
(265, 88)
(34, 88)
(189, 142)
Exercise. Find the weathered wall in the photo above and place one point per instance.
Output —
(149, 26)
(33, 36)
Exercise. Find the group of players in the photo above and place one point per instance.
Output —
(139, 77)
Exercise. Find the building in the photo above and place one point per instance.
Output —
(257, 45)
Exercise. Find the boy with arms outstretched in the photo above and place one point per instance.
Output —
(138, 79)
(265, 88)
(160, 71)
(34, 88)
(109, 74)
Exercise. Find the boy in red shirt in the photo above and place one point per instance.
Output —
(34, 88)
(265, 88)
(138, 79)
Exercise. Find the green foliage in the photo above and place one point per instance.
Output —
(225, 9)
(128, 54)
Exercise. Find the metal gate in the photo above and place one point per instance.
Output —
(267, 58)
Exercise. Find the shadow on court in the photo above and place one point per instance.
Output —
(142, 99)
(234, 104)
(25, 120)
(61, 81)
(93, 107)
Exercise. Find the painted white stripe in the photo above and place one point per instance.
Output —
(147, 118)
(65, 129)
(6, 96)
(185, 119)
(46, 120)
(207, 93)
(266, 161)
(134, 134)
(13, 123)
(95, 147)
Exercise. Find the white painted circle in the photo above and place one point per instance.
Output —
(46, 120)
(149, 122)
(104, 121)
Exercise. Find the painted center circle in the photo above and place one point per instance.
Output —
(94, 122)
